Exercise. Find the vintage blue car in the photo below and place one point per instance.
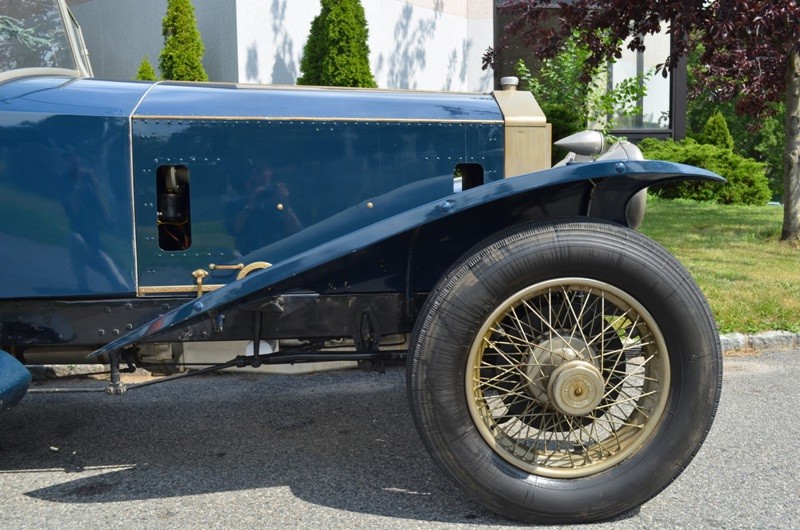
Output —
(561, 366)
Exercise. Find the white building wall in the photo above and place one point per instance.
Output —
(270, 37)
(414, 44)
(119, 33)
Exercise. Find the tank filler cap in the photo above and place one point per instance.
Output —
(509, 83)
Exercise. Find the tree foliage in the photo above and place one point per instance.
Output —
(181, 57)
(313, 52)
(146, 71)
(558, 86)
(572, 105)
(750, 54)
(764, 143)
(337, 53)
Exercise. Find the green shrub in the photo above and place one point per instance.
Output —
(716, 132)
(336, 53)
(181, 57)
(747, 182)
(146, 71)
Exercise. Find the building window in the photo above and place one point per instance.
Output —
(655, 106)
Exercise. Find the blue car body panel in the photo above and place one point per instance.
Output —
(14, 380)
(60, 95)
(326, 150)
(65, 191)
(86, 227)
(170, 99)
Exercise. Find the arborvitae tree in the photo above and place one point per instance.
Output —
(181, 58)
(314, 51)
(716, 132)
(336, 53)
(146, 71)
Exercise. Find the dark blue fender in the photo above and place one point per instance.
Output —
(599, 190)
(14, 380)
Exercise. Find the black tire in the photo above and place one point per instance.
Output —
(624, 347)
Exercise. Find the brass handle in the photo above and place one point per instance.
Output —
(237, 267)
(256, 265)
(198, 275)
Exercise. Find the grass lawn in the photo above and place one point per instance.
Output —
(750, 278)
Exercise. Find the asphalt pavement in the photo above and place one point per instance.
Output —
(339, 450)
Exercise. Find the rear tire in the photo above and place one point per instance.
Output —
(565, 373)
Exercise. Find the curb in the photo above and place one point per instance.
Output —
(739, 343)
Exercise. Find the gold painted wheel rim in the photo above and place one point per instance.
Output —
(567, 378)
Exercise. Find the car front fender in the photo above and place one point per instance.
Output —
(598, 189)
(14, 380)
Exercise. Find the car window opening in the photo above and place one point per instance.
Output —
(173, 217)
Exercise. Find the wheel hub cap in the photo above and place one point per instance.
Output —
(575, 388)
(548, 357)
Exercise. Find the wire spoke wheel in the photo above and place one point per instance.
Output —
(567, 377)
(564, 372)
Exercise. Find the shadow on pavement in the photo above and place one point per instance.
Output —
(341, 440)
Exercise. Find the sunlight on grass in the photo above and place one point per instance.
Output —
(751, 279)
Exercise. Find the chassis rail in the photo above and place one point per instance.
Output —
(368, 361)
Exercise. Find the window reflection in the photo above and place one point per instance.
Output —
(32, 35)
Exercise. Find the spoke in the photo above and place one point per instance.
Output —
(610, 327)
(520, 398)
(628, 401)
(504, 376)
(517, 322)
(613, 426)
(595, 439)
(502, 393)
(493, 344)
(546, 453)
(505, 391)
(552, 330)
(579, 317)
(621, 383)
(566, 441)
(517, 368)
(522, 424)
